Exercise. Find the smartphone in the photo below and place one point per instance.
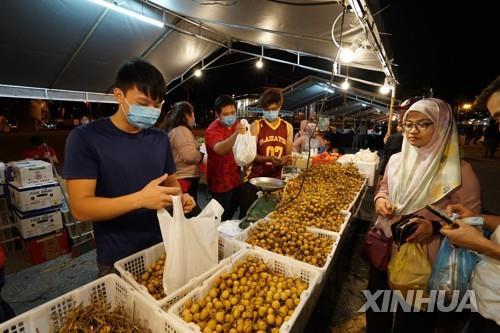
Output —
(440, 213)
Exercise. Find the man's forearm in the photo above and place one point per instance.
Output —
(224, 147)
(97, 209)
(262, 159)
(490, 248)
(491, 222)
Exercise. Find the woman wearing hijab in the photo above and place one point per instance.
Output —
(427, 171)
(302, 130)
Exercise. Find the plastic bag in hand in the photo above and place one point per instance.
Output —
(245, 147)
(191, 245)
(452, 269)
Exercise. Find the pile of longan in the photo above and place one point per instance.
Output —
(250, 298)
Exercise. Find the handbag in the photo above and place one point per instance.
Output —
(376, 249)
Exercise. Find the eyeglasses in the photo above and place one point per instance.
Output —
(419, 126)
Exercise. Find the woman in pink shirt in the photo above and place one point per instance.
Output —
(179, 126)
(427, 171)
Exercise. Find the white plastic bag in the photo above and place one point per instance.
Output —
(245, 147)
(191, 245)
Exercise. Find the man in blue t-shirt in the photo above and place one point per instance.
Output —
(120, 170)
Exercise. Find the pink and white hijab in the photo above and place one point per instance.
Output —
(428, 173)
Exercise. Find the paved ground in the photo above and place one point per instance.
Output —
(336, 310)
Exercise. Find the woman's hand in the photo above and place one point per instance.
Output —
(188, 203)
(422, 233)
(460, 210)
(384, 208)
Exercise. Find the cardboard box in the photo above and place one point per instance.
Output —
(37, 223)
(26, 199)
(41, 249)
(32, 172)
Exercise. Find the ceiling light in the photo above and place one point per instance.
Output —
(345, 85)
(197, 72)
(386, 88)
(348, 54)
(129, 13)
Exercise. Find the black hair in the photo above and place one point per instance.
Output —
(222, 101)
(485, 95)
(177, 116)
(36, 140)
(141, 74)
(271, 96)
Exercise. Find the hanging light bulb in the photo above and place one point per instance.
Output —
(259, 64)
(348, 54)
(386, 88)
(345, 85)
(197, 72)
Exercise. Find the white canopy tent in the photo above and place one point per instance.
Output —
(66, 47)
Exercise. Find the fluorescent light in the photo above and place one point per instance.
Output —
(329, 90)
(129, 13)
(357, 9)
(345, 85)
(259, 64)
(197, 72)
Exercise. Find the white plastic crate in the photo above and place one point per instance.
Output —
(369, 170)
(353, 202)
(278, 265)
(334, 236)
(136, 264)
(111, 288)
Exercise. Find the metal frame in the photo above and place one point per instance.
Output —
(367, 23)
(54, 94)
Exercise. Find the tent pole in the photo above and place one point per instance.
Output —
(391, 111)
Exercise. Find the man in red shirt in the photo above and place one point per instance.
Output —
(40, 150)
(223, 175)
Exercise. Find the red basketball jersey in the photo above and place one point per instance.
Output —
(271, 141)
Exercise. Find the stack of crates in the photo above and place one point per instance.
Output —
(36, 198)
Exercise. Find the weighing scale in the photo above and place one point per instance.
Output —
(266, 202)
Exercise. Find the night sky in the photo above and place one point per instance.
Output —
(451, 47)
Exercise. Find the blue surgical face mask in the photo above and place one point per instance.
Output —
(271, 115)
(142, 116)
(228, 121)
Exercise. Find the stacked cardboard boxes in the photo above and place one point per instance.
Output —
(36, 198)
